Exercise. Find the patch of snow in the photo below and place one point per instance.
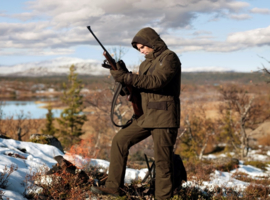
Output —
(250, 170)
(40, 155)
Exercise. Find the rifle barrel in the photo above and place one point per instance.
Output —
(89, 28)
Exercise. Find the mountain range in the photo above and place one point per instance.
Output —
(60, 66)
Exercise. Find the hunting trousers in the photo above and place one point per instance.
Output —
(164, 139)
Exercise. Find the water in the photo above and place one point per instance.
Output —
(26, 109)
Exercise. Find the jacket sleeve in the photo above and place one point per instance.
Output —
(161, 76)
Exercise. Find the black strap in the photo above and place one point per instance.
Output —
(115, 96)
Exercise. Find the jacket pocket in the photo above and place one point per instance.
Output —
(157, 105)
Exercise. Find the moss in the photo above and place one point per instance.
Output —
(258, 164)
(41, 140)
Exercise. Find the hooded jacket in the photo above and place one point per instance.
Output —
(159, 82)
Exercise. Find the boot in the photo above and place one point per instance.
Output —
(105, 191)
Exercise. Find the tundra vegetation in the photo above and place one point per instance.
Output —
(220, 113)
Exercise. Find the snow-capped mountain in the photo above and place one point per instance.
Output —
(58, 66)
(61, 65)
(206, 69)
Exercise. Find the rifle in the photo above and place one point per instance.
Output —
(134, 96)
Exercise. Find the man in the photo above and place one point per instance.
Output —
(159, 84)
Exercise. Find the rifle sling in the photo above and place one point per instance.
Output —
(115, 96)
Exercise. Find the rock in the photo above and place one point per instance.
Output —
(225, 163)
(46, 139)
(16, 155)
(262, 131)
(66, 166)
(4, 137)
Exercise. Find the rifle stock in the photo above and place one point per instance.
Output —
(134, 95)
(110, 60)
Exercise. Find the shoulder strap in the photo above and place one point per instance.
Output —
(115, 96)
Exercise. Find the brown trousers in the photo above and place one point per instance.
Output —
(164, 139)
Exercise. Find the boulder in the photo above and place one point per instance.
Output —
(46, 139)
(63, 166)
(4, 137)
(225, 163)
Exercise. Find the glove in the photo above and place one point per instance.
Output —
(120, 73)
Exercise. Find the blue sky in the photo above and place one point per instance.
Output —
(226, 34)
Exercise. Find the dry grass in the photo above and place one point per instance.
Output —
(257, 191)
(264, 141)
(9, 127)
(62, 185)
(4, 176)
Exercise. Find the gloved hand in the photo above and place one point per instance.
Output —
(120, 73)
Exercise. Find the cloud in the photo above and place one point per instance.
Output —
(240, 16)
(52, 27)
(252, 38)
(201, 32)
(2, 14)
(34, 52)
(234, 42)
(24, 16)
(260, 10)
(140, 13)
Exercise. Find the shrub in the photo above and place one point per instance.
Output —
(255, 180)
(254, 191)
(200, 170)
(62, 186)
(193, 192)
(4, 176)
(257, 164)
(1, 194)
(264, 141)
(41, 140)
(138, 156)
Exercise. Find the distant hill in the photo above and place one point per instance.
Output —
(56, 67)
(220, 77)
(60, 66)
(196, 78)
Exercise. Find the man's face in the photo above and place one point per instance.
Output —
(144, 49)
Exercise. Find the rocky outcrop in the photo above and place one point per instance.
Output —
(46, 139)
(225, 163)
(4, 137)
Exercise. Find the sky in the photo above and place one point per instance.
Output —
(205, 34)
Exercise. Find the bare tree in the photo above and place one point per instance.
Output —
(118, 52)
(245, 111)
(3, 131)
(198, 131)
(264, 69)
(19, 126)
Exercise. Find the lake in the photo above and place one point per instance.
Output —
(29, 109)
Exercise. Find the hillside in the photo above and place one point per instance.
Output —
(187, 78)
(220, 77)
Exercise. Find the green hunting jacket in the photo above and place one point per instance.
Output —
(159, 82)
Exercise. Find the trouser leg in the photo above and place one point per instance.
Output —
(121, 143)
(164, 139)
